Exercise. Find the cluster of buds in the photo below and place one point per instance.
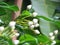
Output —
(34, 23)
(52, 36)
(15, 33)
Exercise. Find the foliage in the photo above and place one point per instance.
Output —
(27, 35)
(4, 8)
(47, 9)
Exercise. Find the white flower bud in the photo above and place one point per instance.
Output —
(29, 7)
(56, 32)
(36, 25)
(51, 34)
(35, 21)
(32, 26)
(30, 23)
(56, 17)
(53, 42)
(52, 38)
(1, 28)
(1, 21)
(12, 24)
(34, 14)
(36, 31)
(16, 42)
(17, 34)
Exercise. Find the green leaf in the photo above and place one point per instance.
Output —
(45, 8)
(5, 41)
(43, 40)
(55, 0)
(25, 14)
(7, 6)
(27, 38)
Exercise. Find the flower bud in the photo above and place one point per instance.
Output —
(30, 23)
(35, 21)
(1, 28)
(56, 32)
(51, 34)
(32, 26)
(34, 14)
(17, 34)
(52, 38)
(36, 25)
(12, 24)
(36, 31)
(16, 42)
(53, 42)
(29, 7)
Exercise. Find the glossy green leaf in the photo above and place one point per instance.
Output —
(45, 8)
(27, 38)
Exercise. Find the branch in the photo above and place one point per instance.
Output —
(19, 4)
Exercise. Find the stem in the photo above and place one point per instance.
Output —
(19, 4)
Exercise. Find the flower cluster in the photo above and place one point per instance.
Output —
(52, 36)
(34, 23)
(13, 33)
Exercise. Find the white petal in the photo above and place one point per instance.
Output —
(53, 42)
(52, 38)
(36, 25)
(17, 34)
(35, 21)
(30, 23)
(16, 42)
(12, 23)
(56, 31)
(1, 28)
(1, 21)
(29, 6)
(37, 31)
(51, 34)
(32, 26)
(35, 14)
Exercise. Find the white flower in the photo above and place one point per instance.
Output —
(56, 31)
(12, 24)
(17, 34)
(32, 26)
(34, 14)
(36, 31)
(35, 21)
(1, 21)
(51, 34)
(36, 25)
(53, 42)
(30, 23)
(1, 28)
(56, 17)
(16, 42)
(29, 7)
(52, 38)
